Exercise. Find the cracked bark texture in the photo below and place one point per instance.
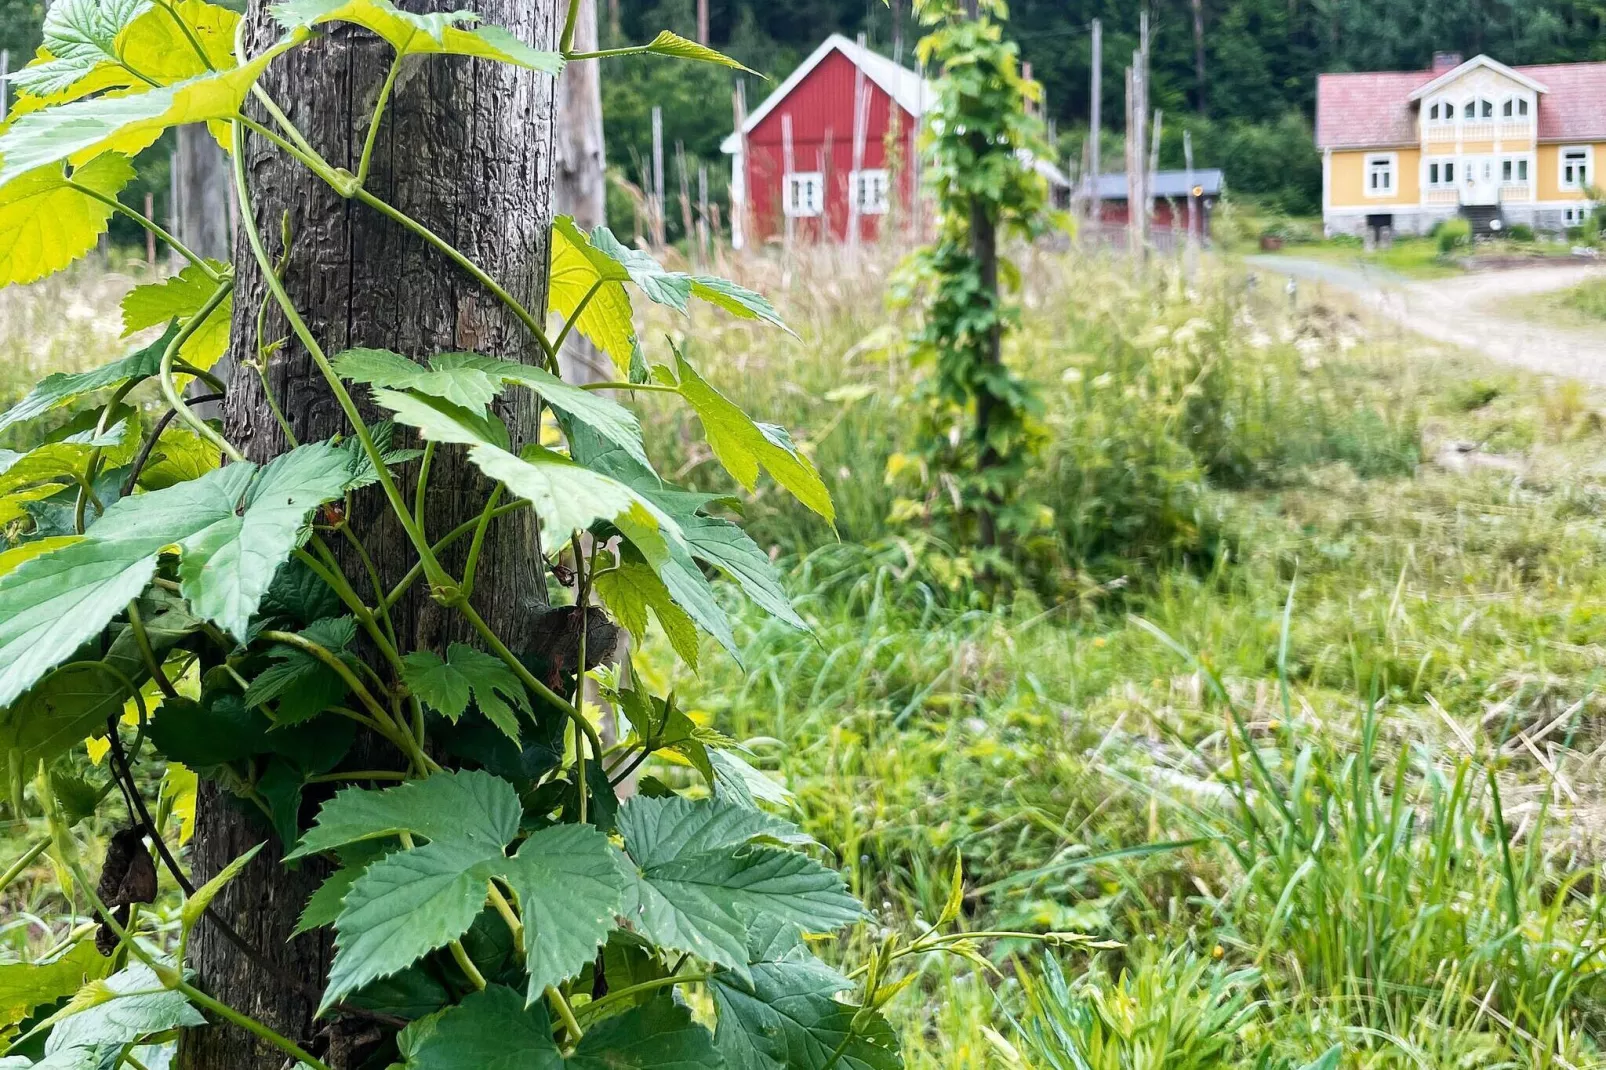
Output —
(465, 148)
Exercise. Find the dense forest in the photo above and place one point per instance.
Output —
(1240, 74)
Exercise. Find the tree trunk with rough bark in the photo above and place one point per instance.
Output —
(466, 148)
(1199, 101)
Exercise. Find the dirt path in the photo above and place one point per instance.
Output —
(1470, 311)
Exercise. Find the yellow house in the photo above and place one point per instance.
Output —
(1499, 145)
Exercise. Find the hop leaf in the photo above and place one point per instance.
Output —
(46, 223)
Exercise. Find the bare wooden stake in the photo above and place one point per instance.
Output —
(657, 205)
(150, 235)
(788, 167)
(1095, 115)
(861, 120)
(739, 195)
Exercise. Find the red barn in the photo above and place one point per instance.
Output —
(792, 162)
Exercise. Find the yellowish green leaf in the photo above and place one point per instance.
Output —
(46, 224)
(156, 46)
(440, 33)
(181, 297)
(629, 590)
(577, 269)
(744, 446)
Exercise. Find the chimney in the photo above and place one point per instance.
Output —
(1445, 61)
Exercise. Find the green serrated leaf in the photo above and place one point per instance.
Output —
(784, 1017)
(489, 1030)
(575, 271)
(459, 384)
(630, 589)
(440, 33)
(79, 36)
(609, 419)
(570, 887)
(738, 300)
(68, 706)
(700, 877)
(46, 223)
(325, 904)
(658, 1035)
(195, 906)
(730, 549)
(406, 905)
(27, 985)
(84, 129)
(676, 46)
(447, 686)
(233, 526)
(179, 299)
(226, 567)
(466, 806)
(300, 685)
(124, 1008)
(744, 446)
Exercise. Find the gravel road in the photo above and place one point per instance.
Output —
(1467, 310)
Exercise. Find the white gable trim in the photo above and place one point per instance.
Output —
(1473, 64)
(835, 43)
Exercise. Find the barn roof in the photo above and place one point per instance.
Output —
(907, 89)
(1376, 108)
(1112, 187)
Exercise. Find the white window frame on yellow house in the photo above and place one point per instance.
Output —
(1515, 106)
(1444, 177)
(1567, 158)
(1387, 165)
(1515, 170)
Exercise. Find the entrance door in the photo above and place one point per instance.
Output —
(1480, 182)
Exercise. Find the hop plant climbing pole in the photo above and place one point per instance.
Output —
(981, 139)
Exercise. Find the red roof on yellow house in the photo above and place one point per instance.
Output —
(1379, 108)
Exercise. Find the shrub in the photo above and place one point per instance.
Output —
(1520, 232)
(1452, 234)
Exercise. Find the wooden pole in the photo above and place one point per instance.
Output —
(5, 84)
(790, 231)
(1150, 178)
(740, 196)
(702, 22)
(1193, 202)
(1095, 115)
(150, 236)
(688, 228)
(658, 176)
(702, 213)
(861, 119)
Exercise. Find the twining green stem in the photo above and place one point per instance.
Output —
(432, 568)
(170, 389)
(151, 225)
(379, 113)
(595, 1007)
(358, 774)
(651, 388)
(445, 541)
(480, 275)
(249, 1024)
(466, 964)
(335, 662)
(127, 1059)
(186, 368)
(514, 925)
(326, 568)
(471, 566)
(572, 16)
(189, 34)
(560, 1003)
(421, 493)
(142, 640)
(373, 578)
(271, 106)
(17, 868)
(574, 317)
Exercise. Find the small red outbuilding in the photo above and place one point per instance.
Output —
(792, 162)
